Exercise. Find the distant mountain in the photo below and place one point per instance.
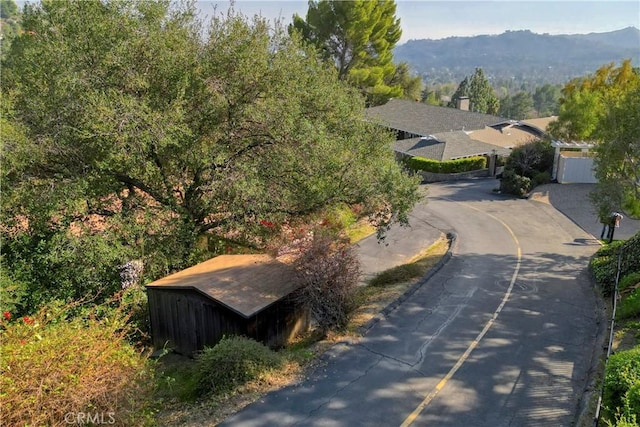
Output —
(521, 55)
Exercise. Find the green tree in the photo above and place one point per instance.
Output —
(461, 91)
(358, 37)
(9, 23)
(517, 107)
(135, 129)
(617, 162)
(585, 100)
(481, 95)
(8, 9)
(411, 85)
(546, 100)
(431, 97)
(603, 108)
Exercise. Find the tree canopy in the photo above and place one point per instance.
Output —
(546, 100)
(135, 136)
(358, 37)
(603, 108)
(481, 95)
(517, 106)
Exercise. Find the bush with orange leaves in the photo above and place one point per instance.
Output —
(55, 371)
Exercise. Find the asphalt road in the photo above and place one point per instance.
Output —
(505, 334)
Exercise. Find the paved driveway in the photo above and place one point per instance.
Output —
(573, 201)
(503, 335)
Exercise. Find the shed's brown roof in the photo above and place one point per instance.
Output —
(246, 284)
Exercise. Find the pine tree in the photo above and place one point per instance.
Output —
(358, 37)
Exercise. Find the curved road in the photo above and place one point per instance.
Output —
(505, 334)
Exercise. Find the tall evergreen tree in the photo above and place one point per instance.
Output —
(481, 95)
(358, 37)
(546, 100)
(461, 91)
(517, 106)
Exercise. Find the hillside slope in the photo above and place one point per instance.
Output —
(523, 55)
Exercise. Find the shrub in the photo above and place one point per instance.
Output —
(233, 362)
(629, 280)
(604, 271)
(531, 158)
(622, 420)
(328, 271)
(448, 166)
(604, 264)
(135, 303)
(527, 166)
(341, 217)
(629, 306)
(52, 366)
(511, 183)
(621, 382)
(63, 266)
(541, 178)
(610, 249)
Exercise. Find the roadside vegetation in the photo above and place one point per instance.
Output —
(603, 108)
(621, 393)
(527, 166)
(133, 147)
(198, 393)
(56, 369)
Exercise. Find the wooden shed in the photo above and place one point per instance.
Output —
(248, 295)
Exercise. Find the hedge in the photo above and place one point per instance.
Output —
(604, 263)
(449, 166)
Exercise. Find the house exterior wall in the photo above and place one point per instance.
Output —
(187, 321)
(572, 169)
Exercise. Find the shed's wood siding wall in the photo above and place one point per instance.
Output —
(278, 323)
(187, 321)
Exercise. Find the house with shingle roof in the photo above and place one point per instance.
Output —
(411, 119)
(447, 146)
(442, 133)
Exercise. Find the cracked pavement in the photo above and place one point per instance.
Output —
(487, 353)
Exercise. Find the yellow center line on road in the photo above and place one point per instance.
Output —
(412, 417)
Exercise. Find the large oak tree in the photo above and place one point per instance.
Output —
(138, 126)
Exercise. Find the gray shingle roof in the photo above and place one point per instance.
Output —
(447, 146)
(423, 119)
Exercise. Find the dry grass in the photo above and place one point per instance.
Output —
(53, 369)
(359, 231)
(303, 357)
(373, 299)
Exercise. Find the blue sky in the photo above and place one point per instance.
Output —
(440, 19)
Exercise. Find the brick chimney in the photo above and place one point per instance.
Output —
(462, 103)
